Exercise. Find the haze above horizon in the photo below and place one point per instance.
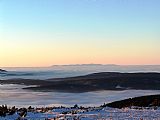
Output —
(45, 32)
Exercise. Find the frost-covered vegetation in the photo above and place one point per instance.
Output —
(80, 113)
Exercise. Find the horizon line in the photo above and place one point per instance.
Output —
(79, 65)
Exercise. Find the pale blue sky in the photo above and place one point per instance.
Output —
(86, 31)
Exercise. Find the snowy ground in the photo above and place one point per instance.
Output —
(91, 114)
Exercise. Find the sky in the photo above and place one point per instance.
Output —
(47, 32)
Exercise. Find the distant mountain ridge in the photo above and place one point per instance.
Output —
(90, 68)
(86, 65)
(92, 64)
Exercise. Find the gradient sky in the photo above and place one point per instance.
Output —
(47, 32)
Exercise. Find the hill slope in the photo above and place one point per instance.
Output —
(95, 81)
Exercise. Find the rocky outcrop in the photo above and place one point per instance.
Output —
(1, 70)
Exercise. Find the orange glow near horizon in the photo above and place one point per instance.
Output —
(35, 34)
(43, 60)
(39, 54)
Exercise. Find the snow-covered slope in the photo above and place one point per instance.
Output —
(91, 114)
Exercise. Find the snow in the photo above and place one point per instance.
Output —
(92, 114)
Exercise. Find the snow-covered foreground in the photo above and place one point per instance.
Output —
(90, 114)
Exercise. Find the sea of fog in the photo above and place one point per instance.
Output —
(60, 71)
(39, 74)
(15, 95)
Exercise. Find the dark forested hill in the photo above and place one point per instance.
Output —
(143, 101)
(96, 81)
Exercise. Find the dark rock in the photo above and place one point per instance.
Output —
(1, 70)
(22, 112)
